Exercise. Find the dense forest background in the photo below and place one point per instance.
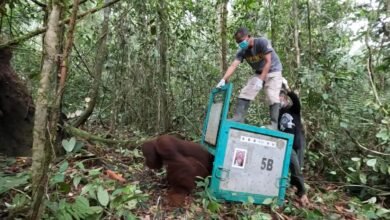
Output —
(136, 69)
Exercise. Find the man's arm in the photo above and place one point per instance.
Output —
(296, 107)
(231, 69)
(267, 66)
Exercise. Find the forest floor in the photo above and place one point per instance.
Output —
(135, 192)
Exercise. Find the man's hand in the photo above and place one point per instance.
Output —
(258, 83)
(221, 83)
(285, 84)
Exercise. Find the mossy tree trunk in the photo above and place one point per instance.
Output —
(42, 151)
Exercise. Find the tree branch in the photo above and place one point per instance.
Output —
(91, 137)
(83, 61)
(40, 4)
(43, 29)
(81, 2)
(363, 147)
(67, 50)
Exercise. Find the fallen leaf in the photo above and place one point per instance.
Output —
(111, 174)
(339, 208)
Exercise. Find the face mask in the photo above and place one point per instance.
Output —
(244, 44)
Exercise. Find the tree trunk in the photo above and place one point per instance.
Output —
(370, 69)
(100, 58)
(296, 33)
(222, 8)
(309, 30)
(163, 118)
(41, 142)
(272, 21)
(387, 24)
(55, 109)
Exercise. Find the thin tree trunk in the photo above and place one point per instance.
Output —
(272, 20)
(387, 25)
(296, 33)
(100, 58)
(41, 156)
(222, 30)
(309, 29)
(55, 110)
(67, 51)
(370, 71)
(163, 111)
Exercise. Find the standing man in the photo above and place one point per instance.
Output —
(267, 68)
(290, 122)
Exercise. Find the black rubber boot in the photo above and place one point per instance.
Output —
(274, 114)
(241, 110)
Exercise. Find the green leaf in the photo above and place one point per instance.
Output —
(383, 168)
(9, 182)
(371, 162)
(333, 172)
(363, 178)
(103, 196)
(132, 204)
(356, 159)
(94, 172)
(251, 200)
(117, 192)
(99, 3)
(80, 165)
(267, 201)
(136, 153)
(69, 145)
(80, 209)
(343, 125)
(65, 216)
(63, 187)
(261, 216)
(371, 200)
(383, 134)
(382, 211)
(213, 206)
(82, 201)
(76, 181)
(96, 209)
(86, 189)
(76, 213)
(19, 200)
(78, 146)
(92, 193)
(59, 178)
(63, 167)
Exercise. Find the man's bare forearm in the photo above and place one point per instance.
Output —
(228, 73)
(231, 70)
(265, 71)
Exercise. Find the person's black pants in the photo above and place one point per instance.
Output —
(296, 163)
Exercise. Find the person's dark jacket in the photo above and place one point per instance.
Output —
(290, 121)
